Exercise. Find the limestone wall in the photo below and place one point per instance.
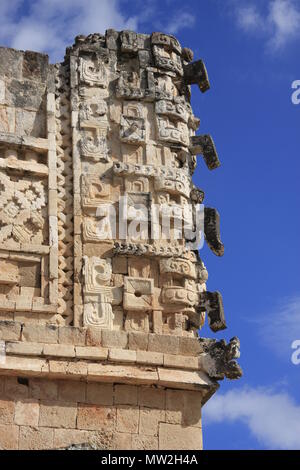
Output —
(55, 414)
(28, 187)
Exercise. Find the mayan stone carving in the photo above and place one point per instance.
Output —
(101, 279)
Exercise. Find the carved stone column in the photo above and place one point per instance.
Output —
(102, 288)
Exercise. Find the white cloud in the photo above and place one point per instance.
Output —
(272, 418)
(181, 20)
(280, 24)
(51, 25)
(281, 327)
(284, 16)
(248, 18)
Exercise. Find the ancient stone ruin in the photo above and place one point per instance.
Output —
(99, 334)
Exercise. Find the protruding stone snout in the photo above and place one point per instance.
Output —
(212, 231)
(204, 145)
(212, 303)
(195, 73)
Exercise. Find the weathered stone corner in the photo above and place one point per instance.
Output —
(100, 335)
(219, 358)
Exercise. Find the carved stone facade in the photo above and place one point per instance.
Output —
(99, 283)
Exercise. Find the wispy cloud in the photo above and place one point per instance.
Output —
(272, 418)
(279, 23)
(248, 18)
(51, 25)
(285, 17)
(280, 327)
(179, 21)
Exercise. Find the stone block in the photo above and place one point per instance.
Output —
(137, 321)
(189, 379)
(121, 372)
(71, 391)
(25, 94)
(118, 322)
(183, 407)
(91, 352)
(174, 437)
(42, 389)
(27, 413)
(181, 362)
(78, 369)
(7, 411)
(96, 417)
(163, 343)
(189, 346)
(35, 438)
(121, 355)
(59, 350)
(35, 66)
(126, 395)
(114, 339)
(101, 440)
(40, 333)
(142, 442)
(128, 419)
(72, 335)
(9, 437)
(99, 394)
(55, 414)
(24, 365)
(16, 387)
(120, 265)
(26, 349)
(122, 441)
(93, 337)
(58, 367)
(23, 303)
(152, 397)
(10, 331)
(30, 123)
(101, 249)
(11, 63)
(150, 358)
(138, 341)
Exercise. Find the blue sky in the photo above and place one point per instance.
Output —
(251, 50)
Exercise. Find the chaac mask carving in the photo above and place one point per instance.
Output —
(112, 215)
(135, 133)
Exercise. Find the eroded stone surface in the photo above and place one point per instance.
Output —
(108, 131)
(120, 124)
